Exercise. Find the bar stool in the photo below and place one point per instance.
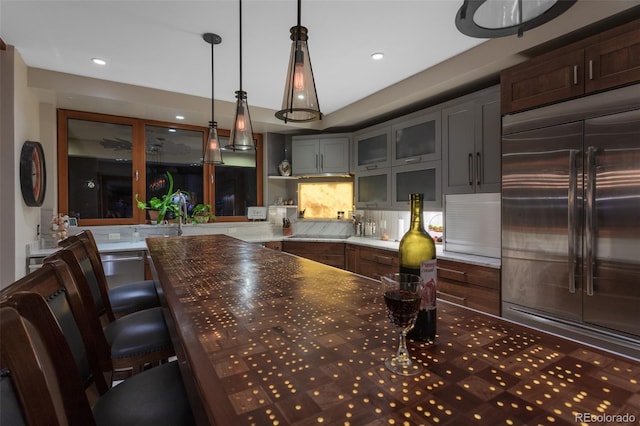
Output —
(126, 345)
(36, 357)
(125, 298)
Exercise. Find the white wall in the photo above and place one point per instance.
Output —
(20, 122)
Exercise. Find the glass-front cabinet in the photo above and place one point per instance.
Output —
(373, 189)
(417, 139)
(423, 178)
(372, 149)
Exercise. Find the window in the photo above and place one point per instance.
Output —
(105, 161)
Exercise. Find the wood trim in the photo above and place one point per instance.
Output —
(138, 163)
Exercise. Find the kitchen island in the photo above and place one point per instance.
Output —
(264, 337)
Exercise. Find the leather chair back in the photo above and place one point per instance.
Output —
(40, 366)
(54, 282)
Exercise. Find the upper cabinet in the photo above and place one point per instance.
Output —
(471, 134)
(320, 155)
(416, 140)
(371, 149)
(607, 60)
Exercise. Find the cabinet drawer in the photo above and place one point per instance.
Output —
(466, 273)
(472, 296)
(475, 286)
(328, 253)
(376, 262)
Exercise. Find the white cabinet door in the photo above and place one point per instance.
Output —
(459, 133)
(471, 135)
(334, 155)
(324, 155)
(305, 158)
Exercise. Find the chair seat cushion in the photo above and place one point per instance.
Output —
(133, 297)
(153, 397)
(137, 334)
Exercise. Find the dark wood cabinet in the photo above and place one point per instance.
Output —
(607, 60)
(329, 253)
(474, 286)
(371, 262)
(274, 245)
(351, 254)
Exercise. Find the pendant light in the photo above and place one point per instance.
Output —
(300, 100)
(499, 18)
(212, 152)
(242, 134)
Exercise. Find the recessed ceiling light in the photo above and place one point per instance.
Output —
(179, 117)
(377, 56)
(98, 61)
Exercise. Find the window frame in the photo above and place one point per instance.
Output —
(138, 172)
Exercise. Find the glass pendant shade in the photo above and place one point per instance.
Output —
(300, 99)
(499, 18)
(241, 138)
(212, 152)
(242, 134)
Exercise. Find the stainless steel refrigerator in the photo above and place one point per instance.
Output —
(571, 219)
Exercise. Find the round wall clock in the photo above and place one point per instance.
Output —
(33, 181)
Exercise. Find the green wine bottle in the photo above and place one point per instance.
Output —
(417, 255)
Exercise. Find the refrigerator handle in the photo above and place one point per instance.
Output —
(572, 219)
(478, 169)
(589, 217)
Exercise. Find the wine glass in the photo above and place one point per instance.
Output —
(402, 294)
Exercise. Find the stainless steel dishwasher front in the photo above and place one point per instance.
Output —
(123, 267)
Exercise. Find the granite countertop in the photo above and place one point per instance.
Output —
(34, 251)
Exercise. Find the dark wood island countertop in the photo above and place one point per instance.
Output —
(267, 338)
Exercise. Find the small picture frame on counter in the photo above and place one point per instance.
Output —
(73, 222)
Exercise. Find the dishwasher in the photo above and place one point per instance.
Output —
(123, 267)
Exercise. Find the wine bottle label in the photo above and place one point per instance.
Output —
(429, 276)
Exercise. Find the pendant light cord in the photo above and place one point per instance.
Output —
(240, 38)
(212, 84)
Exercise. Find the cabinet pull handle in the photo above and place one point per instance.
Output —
(590, 69)
(478, 168)
(372, 204)
(412, 159)
(470, 169)
(371, 167)
(451, 297)
(575, 75)
(137, 173)
(211, 178)
(321, 162)
(316, 161)
(453, 271)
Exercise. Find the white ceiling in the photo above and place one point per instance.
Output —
(158, 45)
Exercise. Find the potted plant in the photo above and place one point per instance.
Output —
(201, 213)
(162, 206)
